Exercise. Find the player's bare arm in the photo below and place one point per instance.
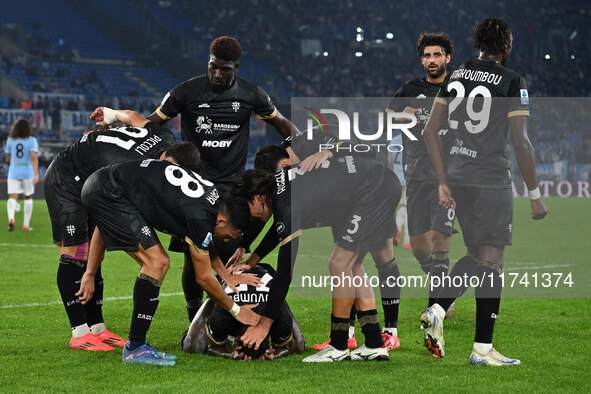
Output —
(524, 152)
(96, 254)
(105, 115)
(233, 280)
(154, 117)
(203, 275)
(435, 122)
(35, 164)
(282, 125)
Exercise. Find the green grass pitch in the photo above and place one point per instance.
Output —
(548, 332)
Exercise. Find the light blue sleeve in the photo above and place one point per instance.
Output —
(8, 148)
(34, 145)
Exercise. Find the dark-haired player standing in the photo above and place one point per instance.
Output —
(482, 99)
(430, 225)
(215, 113)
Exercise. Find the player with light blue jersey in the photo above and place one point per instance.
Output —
(21, 156)
(395, 159)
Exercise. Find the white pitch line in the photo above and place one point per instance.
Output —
(538, 267)
(35, 304)
(28, 245)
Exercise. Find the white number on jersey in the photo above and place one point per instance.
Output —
(190, 184)
(482, 116)
(125, 144)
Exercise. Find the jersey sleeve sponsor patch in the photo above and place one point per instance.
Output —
(524, 96)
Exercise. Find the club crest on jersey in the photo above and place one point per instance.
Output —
(524, 96)
(204, 124)
(207, 240)
(421, 96)
(235, 106)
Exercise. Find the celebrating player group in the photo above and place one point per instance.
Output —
(116, 186)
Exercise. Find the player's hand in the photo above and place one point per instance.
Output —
(35, 179)
(86, 288)
(247, 279)
(247, 264)
(268, 355)
(538, 209)
(236, 257)
(247, 316)
(408, 110)
(445, 197)
(255, 335)
(314, 161)
(98, 115)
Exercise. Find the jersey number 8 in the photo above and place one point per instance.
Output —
(191, 184)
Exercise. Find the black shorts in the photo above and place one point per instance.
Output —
(69, 219)
(371, 220)
(424, 211)
(220, 324)
(121, 225)
(485, 215)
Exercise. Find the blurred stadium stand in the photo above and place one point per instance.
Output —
(59, 59)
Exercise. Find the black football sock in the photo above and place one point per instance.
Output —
(69, 275)
(339, 332)
(370, 327)
(390, 292)
(145, 302)
(425, 262)
(464, 267)
(488, 300)
(94, 307)
(439, 269)
(352, 316)
(193, 292)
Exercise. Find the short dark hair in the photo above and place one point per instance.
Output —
(186, 155)
(430, 39)
(226, 48)
(236, 211)
(255, 182)
(492, 36)
(21, 128)
(269, 156)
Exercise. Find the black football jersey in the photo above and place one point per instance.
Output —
(419, 94)
(322, 197)
(217, 122)
(250, 294)
(481, 97)
(172, 199)
(115, 145)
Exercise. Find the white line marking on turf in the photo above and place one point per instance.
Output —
(538, 267)
(28, 245)
(35, 304)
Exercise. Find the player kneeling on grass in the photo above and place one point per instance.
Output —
(71, 227)
(357, 197)
(128, 201)
(212, 326)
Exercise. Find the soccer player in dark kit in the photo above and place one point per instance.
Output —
(215, 111)
(69, 219)
(481, 100)
(430, 225)
(210, 330)
(128, 201)
(357, 197)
